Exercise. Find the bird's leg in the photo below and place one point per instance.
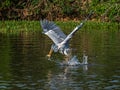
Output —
(50, 53)
(68, 57)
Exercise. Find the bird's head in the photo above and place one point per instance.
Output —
(67, 51)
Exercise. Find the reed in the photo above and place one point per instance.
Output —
(19, 26)
(13, 27)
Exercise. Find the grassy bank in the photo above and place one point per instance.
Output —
(34, 26)
(19, 26)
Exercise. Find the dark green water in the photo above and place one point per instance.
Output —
(23, 65)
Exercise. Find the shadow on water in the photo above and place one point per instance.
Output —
(23, 65)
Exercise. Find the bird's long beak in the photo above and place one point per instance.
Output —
(50, 53)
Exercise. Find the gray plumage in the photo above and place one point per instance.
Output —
(57, 36)
(53, 31)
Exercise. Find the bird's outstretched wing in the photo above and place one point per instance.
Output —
(71, 34)
(53, 31)
(76, 29)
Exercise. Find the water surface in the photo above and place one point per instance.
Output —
(23, 65)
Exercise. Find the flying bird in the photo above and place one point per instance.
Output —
(61, 40)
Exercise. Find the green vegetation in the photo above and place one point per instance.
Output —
(105, 10)
(19, 26)
(23, 15)
(34, 26)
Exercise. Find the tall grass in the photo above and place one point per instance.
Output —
(13, 27)
(90, 25)
(19, 26)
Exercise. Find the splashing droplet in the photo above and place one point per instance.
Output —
(73, 61)
(85, 59)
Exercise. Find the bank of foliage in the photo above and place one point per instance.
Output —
(105, 10)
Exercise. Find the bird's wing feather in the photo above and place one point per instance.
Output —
(53, 31)
(72, 33)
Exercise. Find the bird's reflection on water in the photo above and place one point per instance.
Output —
(65, 78)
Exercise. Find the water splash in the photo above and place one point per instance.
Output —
(73, 61)
(85, 59)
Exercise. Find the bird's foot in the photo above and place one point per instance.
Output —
(48, 56)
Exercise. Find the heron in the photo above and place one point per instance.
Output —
(60, 39)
